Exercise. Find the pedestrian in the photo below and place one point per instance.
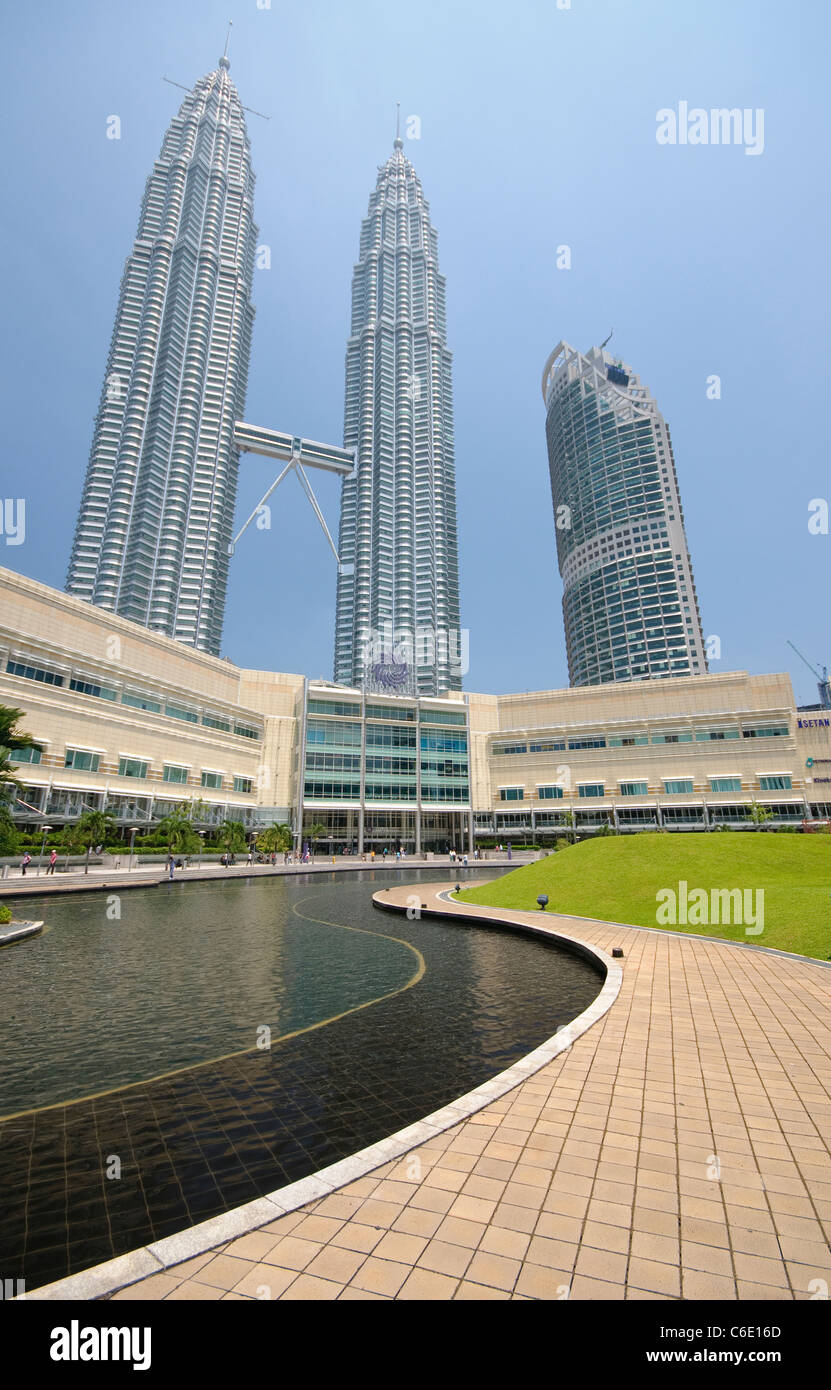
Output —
(25, 862)
(224, 861)
(171, 864)
(464, 861)
(53, 859)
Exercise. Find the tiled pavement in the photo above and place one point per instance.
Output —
(679, 1148)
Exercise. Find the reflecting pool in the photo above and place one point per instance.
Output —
(144, 1037)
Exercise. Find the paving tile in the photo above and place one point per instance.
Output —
(222, 1272)
(265, 1282)
(355, 1236)
(306, 1288)
(538, 1282)
(654, 1275)
(497, 1271)
(428, 1285)
(336, 1263)
(381, 1276)
(443, 1258)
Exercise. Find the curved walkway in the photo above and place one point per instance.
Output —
(678, 1148)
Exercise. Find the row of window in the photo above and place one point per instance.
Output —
(403, 714)
(639, 740)
(678, 786)
(81, 760)
(133, 699)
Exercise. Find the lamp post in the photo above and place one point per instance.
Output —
(133, 833)
(46, 830)
(202, 834)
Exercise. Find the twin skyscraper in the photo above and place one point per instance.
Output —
(154, 532)
(153, 535)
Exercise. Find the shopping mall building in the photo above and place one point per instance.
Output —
(138, 723)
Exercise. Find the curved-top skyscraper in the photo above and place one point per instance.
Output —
(398, 586)
(158, 502)
(629, 599)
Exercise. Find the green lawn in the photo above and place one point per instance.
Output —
(618, 877)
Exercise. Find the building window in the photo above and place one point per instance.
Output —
(213, 721)
(101, 692)
(511, 794)
(132, 767)
(678, 786)
(578, 743)
(672, 738)
(81, 760)
(33, 673)
(776, 782)
(341, 707)
(179, 712)
(174, 774)
(550, 793)
(433, 716)
(715, 735)
(587, 789)
(547, 746)
(246, 731)
(403, 715)
(212, 779)
(634, 788)
(140, 702)
(771, 731)
(25, 755)
(509, 749)
(243, 784)
(725, 784)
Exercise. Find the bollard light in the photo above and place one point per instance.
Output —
(543, 901)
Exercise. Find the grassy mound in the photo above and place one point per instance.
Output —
(618, 878)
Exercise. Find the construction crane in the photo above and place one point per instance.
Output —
(820, 674)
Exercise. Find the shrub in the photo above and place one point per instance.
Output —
(5, 914)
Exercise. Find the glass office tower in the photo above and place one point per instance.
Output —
(156, 514)
(397, 624)
(629, 600)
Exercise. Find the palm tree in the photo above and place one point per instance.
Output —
(314, 832)
(178, 832)
(275, 840)
(231, 837)
(93, 828)
(12, 739)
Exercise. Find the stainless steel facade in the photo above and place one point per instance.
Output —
(398, 584)
(156, 514)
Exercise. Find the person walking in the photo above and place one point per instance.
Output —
(171, 865)
(53, 859)
(25, 862)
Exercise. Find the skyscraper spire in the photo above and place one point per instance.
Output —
(157, 509)
(398, 588)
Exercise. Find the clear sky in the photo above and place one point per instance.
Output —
(538, 130)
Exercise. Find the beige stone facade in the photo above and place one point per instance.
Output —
(141, 722)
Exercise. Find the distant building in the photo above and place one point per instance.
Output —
(397, 624)
(156, 515)
(629, 600)
(132, 721)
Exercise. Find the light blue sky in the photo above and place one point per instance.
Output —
(537, 129)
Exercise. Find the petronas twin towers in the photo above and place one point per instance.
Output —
(158, 503)
(154, 530)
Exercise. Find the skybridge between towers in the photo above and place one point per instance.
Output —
(298, 454)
